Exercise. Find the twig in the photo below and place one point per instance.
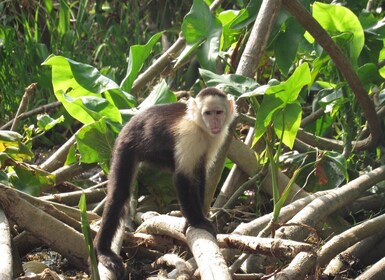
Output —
(23, 104)
(43, 108)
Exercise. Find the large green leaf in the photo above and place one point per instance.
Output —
(95, 142)
(160, 94)
(30, 179)
(201, 26)
(338, 20)
(288, 123)
(288, 91)
(286, 45)
(88, 109)
(137, 57)
(78, 79)
(228, 34)
(231, 83)
(277, 106)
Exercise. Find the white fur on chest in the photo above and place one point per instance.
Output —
(193, 143)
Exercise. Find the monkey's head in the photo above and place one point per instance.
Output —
(213, 110)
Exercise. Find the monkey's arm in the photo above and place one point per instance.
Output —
(190, 194)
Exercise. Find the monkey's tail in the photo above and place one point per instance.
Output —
(122, 173)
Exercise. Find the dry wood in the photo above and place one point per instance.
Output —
(207, 254)
(164, 225)
(351, 236)
(183, 269)
(23, 104)
(323, 206)
(6, 271)
(46, 228)
(375, 272)
(298, 268)
(279, 248)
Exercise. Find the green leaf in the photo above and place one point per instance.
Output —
(30, 179)
(232, 84)
(11, 147)
(246, 16)
(270, 105)
(45, 122)
(95, 142)
(286, 45)
(77, 79)
(228, 34)
(64, 18)
(137, 57)
(340, 161)
(200, 25)
(288, 91)
(160, 94)
(88, 109)
(277, 97)
(288, 122)
(381, 58)
(338, 20)
(88, 236)
(368, 74)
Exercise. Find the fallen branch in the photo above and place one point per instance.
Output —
(59, 236)
(207, 254)
(6, 271)
(323, 206)
(279, 248)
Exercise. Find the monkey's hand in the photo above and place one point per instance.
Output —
(206, 225)
(112, 262)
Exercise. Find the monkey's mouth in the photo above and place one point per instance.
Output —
(215, 130)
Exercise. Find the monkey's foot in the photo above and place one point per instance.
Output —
(206, 225)
(114, 263)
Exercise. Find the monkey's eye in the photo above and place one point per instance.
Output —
(207, 113)
(219, 112)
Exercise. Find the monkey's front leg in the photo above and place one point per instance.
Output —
(191, 203)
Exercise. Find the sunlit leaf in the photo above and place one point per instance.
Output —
(338, 20)
(228, 34)
(277, 98)
(200, 25)
(95, 142)
(289, 122)
(137, 57)
(382, 58)
(46, 122)
(77, 79)
(11, 147)
(88, 109)
(160, 94)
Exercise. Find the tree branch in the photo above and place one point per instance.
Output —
(345, 67)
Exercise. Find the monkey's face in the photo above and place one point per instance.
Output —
(214, 112)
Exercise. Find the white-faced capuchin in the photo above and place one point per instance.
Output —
(183, 138)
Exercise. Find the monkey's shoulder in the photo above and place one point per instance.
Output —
(165, 110)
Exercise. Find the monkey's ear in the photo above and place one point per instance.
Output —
(192, 109)
(232, 105)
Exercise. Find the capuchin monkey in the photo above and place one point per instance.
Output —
(182, 137)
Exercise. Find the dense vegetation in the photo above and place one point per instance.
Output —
(312, 104)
